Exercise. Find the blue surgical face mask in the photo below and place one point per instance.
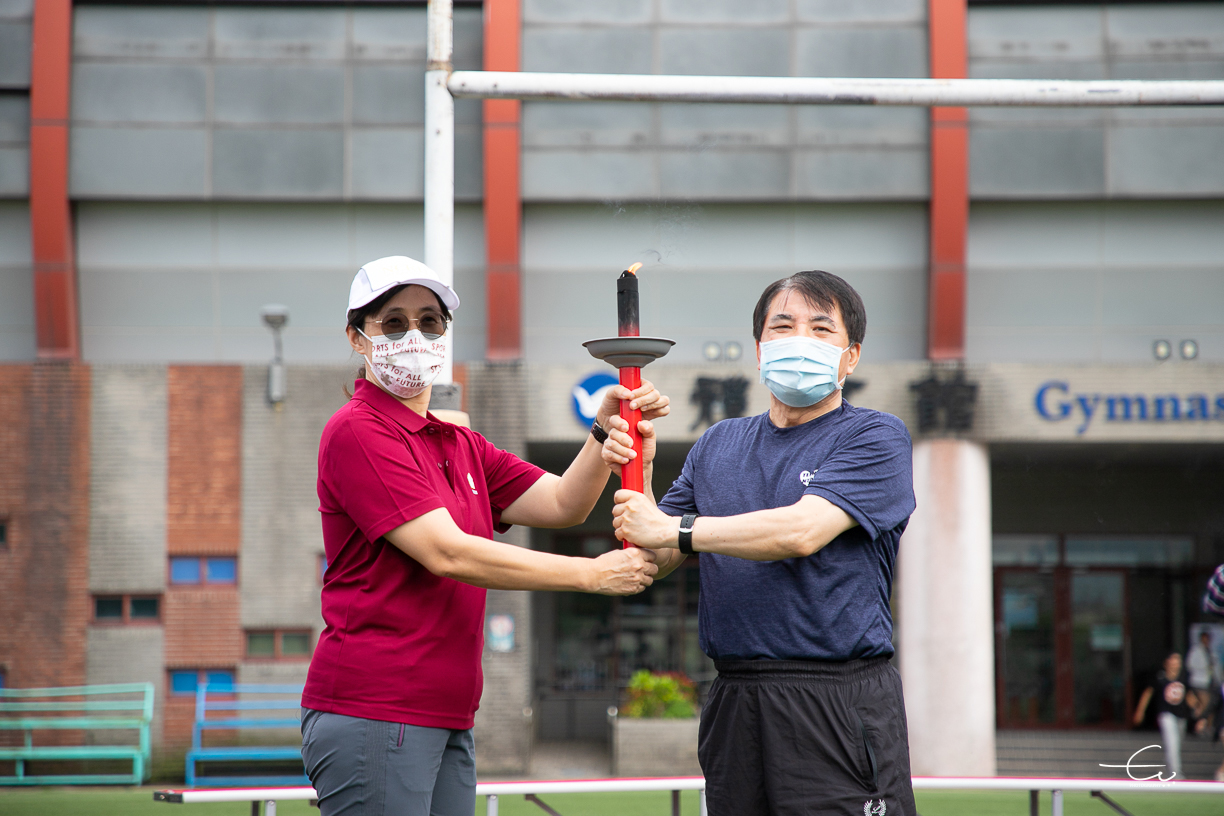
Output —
(801, 371)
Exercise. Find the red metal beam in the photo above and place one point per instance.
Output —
(949, 214)
(55, 284)
(503, 206)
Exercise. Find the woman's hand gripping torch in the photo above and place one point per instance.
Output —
(629, 352)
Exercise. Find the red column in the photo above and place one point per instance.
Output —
(949, 215)
(55, 288)
(503, 209)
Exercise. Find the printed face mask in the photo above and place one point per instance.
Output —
(407, 366)
(800, 371)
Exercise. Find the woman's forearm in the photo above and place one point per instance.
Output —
(442, 548)
(582, 484)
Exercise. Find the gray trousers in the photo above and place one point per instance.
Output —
(373, 768)
(1172, 730)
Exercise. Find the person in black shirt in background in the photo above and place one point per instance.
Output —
(1172, 710)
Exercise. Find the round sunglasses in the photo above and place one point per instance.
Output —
(395, 326)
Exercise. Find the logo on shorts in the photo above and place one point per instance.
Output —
(807, 476)
(876, 809)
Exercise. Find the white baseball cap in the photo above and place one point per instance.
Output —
(385, 274)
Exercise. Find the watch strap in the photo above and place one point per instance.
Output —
(685, 538)
(599, 433)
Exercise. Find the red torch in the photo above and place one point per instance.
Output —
(629, 352)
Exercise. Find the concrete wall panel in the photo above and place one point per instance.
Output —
(585, 50)
(878, 11)
(127, 527)
(138, 163)
(853, 52)
(581, 124)
(725, 51)
(716, 260)
(129, 654)
(1093, 282)
(254, 103)
(269, 94)
(103, 92)
(854, 174)
(1052, 161)
(612, 11)
(277, 33)
(15, 51)
(278, 164)
(723, 11)
(1172, 161)
(135, 32)
(185, 282)
(1122, 153)
(16, 283)
(14, 172)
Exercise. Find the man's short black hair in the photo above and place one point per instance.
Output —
(823, 289)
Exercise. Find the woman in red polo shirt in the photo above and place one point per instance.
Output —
(409, 507)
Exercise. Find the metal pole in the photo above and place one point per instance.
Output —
(440, 153)
(823, 91)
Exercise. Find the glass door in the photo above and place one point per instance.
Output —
(1100, 661)
(1025, 648)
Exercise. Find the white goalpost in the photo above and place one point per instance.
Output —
(443, 84)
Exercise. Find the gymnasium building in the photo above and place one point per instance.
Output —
(1044, 288)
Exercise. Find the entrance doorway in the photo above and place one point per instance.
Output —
(1063, 642)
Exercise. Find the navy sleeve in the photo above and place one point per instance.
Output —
(680, 498)
(870, 476)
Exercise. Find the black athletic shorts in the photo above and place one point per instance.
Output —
(786, 737)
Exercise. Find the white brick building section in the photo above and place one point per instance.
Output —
(127, 524)
(129, 654)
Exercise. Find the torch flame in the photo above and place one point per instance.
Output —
(633, 269)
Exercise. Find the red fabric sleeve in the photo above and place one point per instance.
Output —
(506, 476)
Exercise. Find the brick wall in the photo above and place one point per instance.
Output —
(44, 493)
(203, 460)
(203, 517)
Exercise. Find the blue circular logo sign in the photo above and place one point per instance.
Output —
(588, 394)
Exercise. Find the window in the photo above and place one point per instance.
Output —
(197, 570)
(184, 570)
(127, 609)
(108, 609)
(144, 609)
(278, 644)
(187, 681)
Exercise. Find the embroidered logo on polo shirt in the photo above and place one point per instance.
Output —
(472, 484)
(807, 476)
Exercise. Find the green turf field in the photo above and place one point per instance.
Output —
(139, 802)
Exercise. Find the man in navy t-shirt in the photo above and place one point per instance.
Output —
(796, 514)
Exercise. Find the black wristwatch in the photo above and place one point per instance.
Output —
(599, 433)
(685, 539)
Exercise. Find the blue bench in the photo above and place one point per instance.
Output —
(239, 707)
(92, 709)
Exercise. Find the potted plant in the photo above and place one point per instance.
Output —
(655, 732)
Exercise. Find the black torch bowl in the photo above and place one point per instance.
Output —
(629, 352)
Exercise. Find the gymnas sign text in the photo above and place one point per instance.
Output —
(1055, 402)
